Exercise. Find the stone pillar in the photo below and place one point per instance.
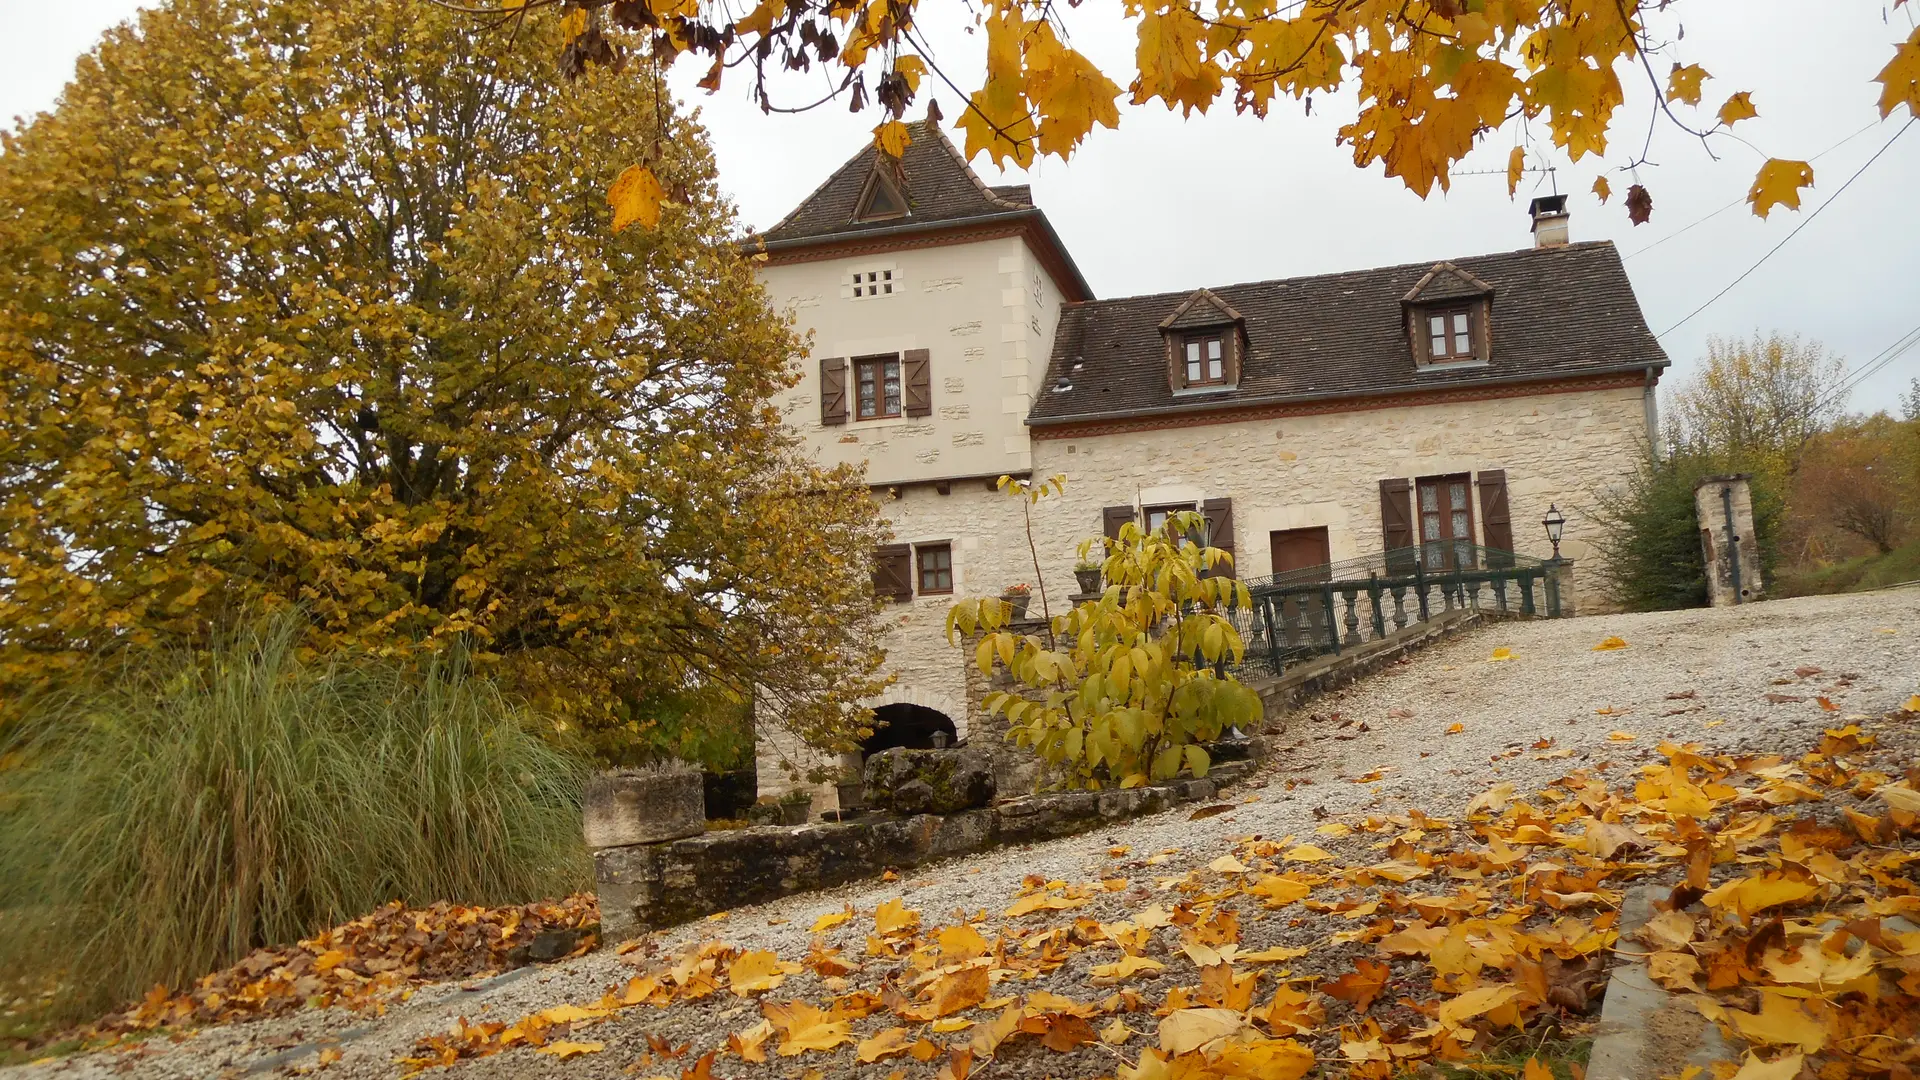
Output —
(627, 815)
(1561, 573)
(1724, 505)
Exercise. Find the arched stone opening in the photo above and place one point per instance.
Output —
(909, 725)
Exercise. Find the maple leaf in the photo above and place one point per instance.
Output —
(1781, 1022)
(1683, 83)
(1778, 184)
(803, 1027)
(1516, 166)
(1027, 905)
(954, 991)
(894, 916)
(1501, 653)
(635, 196)
(889, 1043)
(1737, 108)
(1901, 796)
(1307, 853)
(1611, 643)
(1126, 967)
(959, 943)
(832, 919)
(988, 1036)
(1900, 80)
(565, 1050)
(1602, 189)
(1747, 895)
(1361, 985)
(1785, 1068)
(892, 137)
(751, 1043)
(1184, 1030)
(758, 971)
(1639, 211)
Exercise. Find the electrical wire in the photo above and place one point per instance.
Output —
(1804, 222)
(1859, 375)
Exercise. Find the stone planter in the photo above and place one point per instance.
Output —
(643, 806)
(1089, 580)
(795, 811)
(1019, 602)
(930, 781)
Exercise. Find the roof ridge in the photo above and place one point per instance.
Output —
(978, 184)
(1516, 252)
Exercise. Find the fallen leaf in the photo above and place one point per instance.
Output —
(1227, 864)
(1126, 967)
(1781, 1022)
(1211, 811)
(1785, 1068)
(1609, 644)
(1455, 729)
(831, 919)
(1621, 736)
(1361, 985)
(803, 1028)
(1185, 1030)
(1307, 853)
(1501, 653)
(885, 1044)
(565, 1050)
(894, 916)
(758, 971)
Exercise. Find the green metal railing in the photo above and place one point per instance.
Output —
(1326, 610)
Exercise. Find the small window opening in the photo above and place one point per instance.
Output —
(1449, 335)
(1205, 360)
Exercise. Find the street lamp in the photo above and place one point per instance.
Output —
(1556, 523)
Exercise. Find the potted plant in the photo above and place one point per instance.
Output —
(1018, 597)
(1087, 573)
(851, 787)
(795, 806)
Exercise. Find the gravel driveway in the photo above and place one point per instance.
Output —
(1556, 705)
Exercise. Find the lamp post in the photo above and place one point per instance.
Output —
(1555, 523)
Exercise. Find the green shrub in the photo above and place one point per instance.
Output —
(1650, 533)
(161, 819)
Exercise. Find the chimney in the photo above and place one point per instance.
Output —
(1549, 221)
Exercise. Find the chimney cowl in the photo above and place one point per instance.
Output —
(1549, 213)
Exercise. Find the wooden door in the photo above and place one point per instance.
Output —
(1446, 522)
(1301, 549)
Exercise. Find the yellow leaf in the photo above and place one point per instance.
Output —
(893, 916)
(1116, 1033)
(1602, 189)
(1747, 895)
(758, 971)
(1610, 644)
(575, 24)
(635, 196)
(1683, 83)
(1493, 800)
(1227, 864)
(1781, 1022)
(1913, 703)
(949, 1024)
(1126, 967)
(1622, 736)
(1334, 828)
(751, 1044)
(961, 942)
(831, 920)
(565, 1050)
(886, 1044)
(1279, 890)
(1900, 797)
(803, 1027)
(1900, 85)
(958, 990)
(1189, 1029)
(1778, 184)
(1537, 1070)
(1279, 954)
(1785, 1068)
(892, 138)
(1737, 108)
(1307, 853)
(1027, 905)
(1456, 1011)
(1516, 167)
(1501, 653)
(1455, 728)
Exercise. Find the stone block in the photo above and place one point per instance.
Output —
(643, 806)
(930, 781)
(627, 880)
(1229, 772)
(1044, 817)
(959, 834)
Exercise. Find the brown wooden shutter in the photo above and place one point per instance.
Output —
(1396, 523)
(833, 390)
(1219, 515)
(1112, 518)
(893, 572)
(1496, 521)
(917, 377)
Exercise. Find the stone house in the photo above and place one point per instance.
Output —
(1311, 420)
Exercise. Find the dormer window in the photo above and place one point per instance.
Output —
(1449, 335)
(1206, 359)
(881, 199)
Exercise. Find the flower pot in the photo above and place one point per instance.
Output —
(1089, 580)
(1019, 602)
(795, 812)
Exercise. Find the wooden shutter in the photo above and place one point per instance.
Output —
(833, 390)
(1396, 523)
(893, 572)
(1112, 518)
(1219, 515)
(916, 376)
(1496, 522)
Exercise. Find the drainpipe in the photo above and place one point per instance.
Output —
(1733, 538)
(1650, 404)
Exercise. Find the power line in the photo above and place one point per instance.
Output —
(1742, 199)
(1880, 360)
(1808, 220)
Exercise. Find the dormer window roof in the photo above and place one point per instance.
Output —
(1205, 339)
(1449, 318)
(883, 198)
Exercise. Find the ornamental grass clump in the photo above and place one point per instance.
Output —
(162, 817)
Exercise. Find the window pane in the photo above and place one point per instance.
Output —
(1460, 526)
(1440, 345)
(1457, 496)
(1193, 352)
(1429, 498)
(1193, 371)
(1430, 527)
(893, 387)
(1459, 322)
(1213, 370)
(1213, 348)
(1437, 325)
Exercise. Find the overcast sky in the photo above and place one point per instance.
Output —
(1170, 203)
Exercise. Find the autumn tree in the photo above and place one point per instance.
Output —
(319, 303)
(1756, 402)
(1430, 79)
(1857, 479)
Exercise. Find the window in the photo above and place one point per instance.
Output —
(872, 283)
(877, 379)
(1157, 515)
(936, 568)
(1449, 335)
(1205, 360)
(1446, 522)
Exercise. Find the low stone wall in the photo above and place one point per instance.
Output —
(1281, 696)
(648, 886)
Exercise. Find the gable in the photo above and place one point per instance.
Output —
(931, 182)
(1446, 282)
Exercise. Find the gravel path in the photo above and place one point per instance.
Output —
(1380, 746)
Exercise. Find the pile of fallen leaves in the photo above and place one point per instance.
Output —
(365, 963)
(1424, 940)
